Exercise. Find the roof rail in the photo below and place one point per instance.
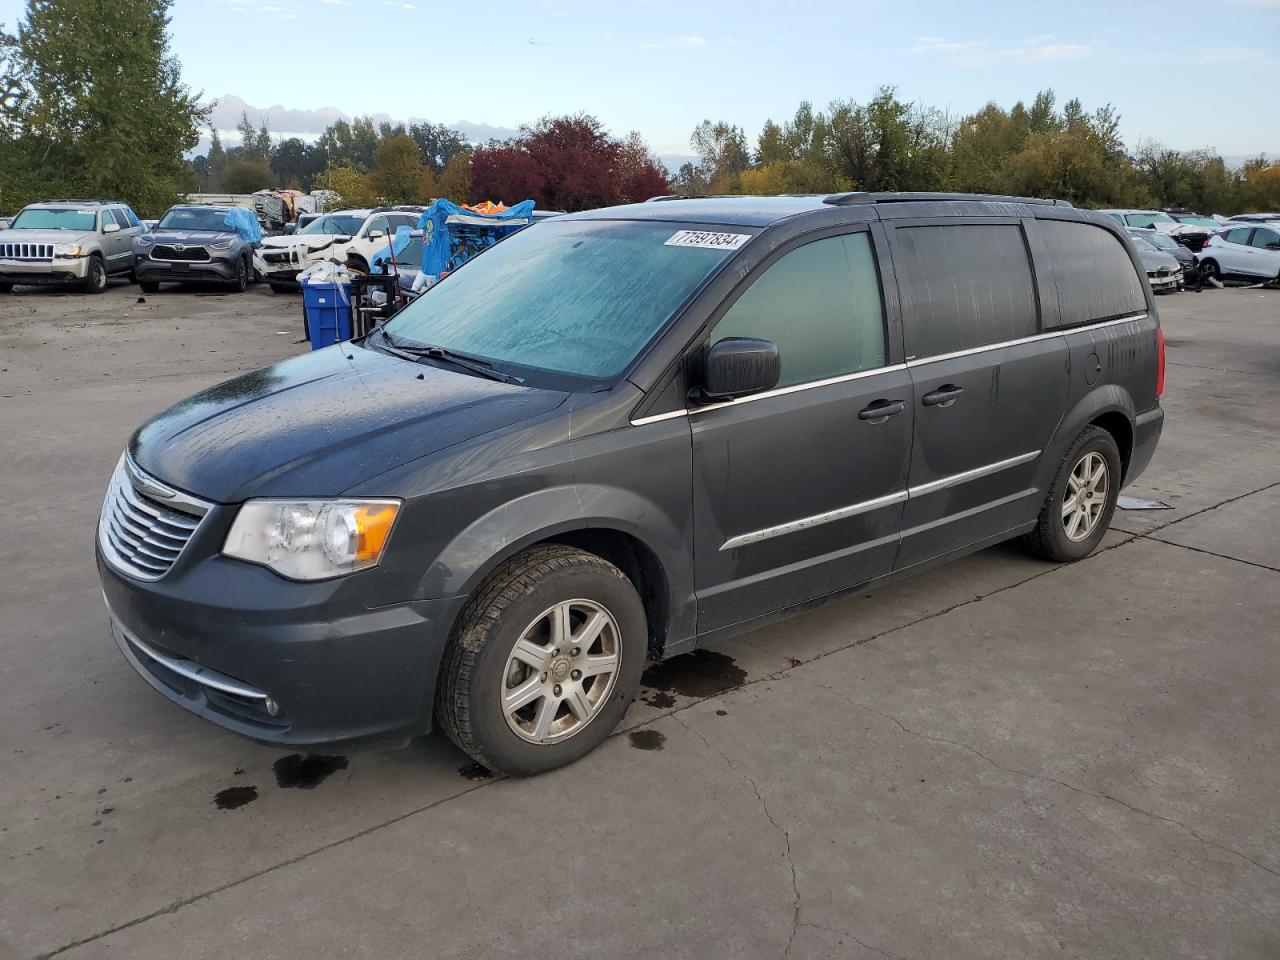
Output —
(857, 197)
(80, 200)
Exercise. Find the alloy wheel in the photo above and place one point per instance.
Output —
(560, 672)
(1086, 498)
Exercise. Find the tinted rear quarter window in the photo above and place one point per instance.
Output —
(1240, 235)
(1096, 280)
(963, 286)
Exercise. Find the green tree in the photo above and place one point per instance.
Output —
(397, 168)
(722, 151)
(439, 144)
(103, 110)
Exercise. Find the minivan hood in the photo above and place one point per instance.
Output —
(317, 424)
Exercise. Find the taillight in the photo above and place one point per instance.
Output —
(1159, 362)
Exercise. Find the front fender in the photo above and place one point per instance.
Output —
(544, 514)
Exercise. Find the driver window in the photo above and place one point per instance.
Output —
(106, 218)
(821, 305)
(377, 223)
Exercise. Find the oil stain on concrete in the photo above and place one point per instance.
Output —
(647, 739)
(703, 673)
(233, 798)
(306, 773)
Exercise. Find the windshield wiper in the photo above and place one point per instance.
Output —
(418, 353)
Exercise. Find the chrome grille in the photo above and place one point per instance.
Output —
(181, 253)
(140, 534)
(26, 251)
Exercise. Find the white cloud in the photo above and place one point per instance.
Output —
(973, 53)
(1250, 55)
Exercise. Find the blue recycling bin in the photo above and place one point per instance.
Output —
(328, 309)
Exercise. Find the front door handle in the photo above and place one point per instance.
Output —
(878, 411)
(944, 396)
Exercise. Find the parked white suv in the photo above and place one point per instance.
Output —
(1247, 251)
(344, 235)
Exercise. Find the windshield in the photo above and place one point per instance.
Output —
(55, 218)
(581, 298)
(1143, 244)
(1148, 219)
(1161, 241)
(179, 219)
(338, 224)
(1198, 221)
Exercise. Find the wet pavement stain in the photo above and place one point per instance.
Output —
(646, 739)
(306, 773)
(659, 699)
(703, 673)
(722, 713)
(234, 797)
(474, 771)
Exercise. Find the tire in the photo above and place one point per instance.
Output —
(358, 263)
(1055, 537)
(281, 288)
(517, 604)
(149, 286)
(95, 281)
(6, 287)
(241, 283)
(1209, 270)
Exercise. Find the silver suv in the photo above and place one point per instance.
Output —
(69, 241)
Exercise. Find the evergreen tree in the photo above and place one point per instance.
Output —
(103, 110)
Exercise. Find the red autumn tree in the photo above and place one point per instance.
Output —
(567, 163)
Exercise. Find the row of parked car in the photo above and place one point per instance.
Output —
(86, 242)
(1180, 247)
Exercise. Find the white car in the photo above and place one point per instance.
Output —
(352, 236)
(1248, 252)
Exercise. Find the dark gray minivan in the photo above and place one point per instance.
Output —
(618, 436)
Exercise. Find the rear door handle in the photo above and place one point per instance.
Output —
(944, 396)
(878, 411)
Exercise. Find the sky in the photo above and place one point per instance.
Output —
(1184, 73)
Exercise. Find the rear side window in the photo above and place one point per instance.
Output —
(821, 305)
(964, 286)
(1096, 279)
(1267, 239)
(1239, 235)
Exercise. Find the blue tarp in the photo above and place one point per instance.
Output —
(245, 223)
(451, 234)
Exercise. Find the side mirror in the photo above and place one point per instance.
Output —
(739, 366)
(341, 239)
(111, 228)
(376, 234)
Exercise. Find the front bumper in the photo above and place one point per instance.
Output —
(218, 268)
(38, 272)
(1168, 281)
(295, 664)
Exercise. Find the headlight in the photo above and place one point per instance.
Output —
(222, 244)
(66, 249)
(312, 539)
(144, 240)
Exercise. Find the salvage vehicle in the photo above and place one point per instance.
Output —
(196, 243)
(1244, 252)
(1167, 244)
(69, 241)
(1143, 219)
(620, 436)
(1164, 273)
(343, 235)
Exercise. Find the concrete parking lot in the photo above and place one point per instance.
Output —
(999, 758)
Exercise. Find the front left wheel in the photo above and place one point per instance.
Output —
(544, 661)
(241, 282)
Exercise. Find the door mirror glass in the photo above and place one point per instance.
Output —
(739, 366)
(111, 228)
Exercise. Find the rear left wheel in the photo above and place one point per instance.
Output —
(544, 662)
(1081, 501)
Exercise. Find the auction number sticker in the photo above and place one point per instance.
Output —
(707, 240)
